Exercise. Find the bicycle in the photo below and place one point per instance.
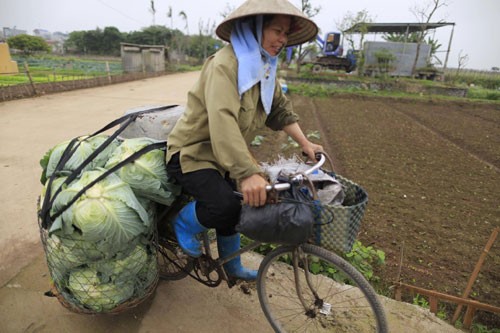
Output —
(316, 304)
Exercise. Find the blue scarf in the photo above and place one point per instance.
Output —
(254, 63)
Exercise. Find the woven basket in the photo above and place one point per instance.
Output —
(84, 300)
(337, 226)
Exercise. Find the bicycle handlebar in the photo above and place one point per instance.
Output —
(299, 177)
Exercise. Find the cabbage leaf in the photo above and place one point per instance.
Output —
(125, 269)
(56, 184)
(88, 288)
(147, 175)
(86, 146)
(108, 211)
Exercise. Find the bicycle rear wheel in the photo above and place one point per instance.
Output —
(173, 263)
(324, 294)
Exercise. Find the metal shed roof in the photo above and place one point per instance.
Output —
(400, 28)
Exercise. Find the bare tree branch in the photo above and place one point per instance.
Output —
(462, 61)
(424, 13)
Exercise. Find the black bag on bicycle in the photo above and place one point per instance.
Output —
(289, 221)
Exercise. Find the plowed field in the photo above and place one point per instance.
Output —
(432, 172)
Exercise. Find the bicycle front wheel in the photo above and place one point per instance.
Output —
(321, 292)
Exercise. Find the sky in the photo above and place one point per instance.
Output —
(475, 34)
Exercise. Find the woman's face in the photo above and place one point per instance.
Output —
(275, 34)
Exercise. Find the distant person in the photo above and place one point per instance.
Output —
(236, 94)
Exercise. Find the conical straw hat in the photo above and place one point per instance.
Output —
(304, 29)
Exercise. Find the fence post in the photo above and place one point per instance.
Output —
(474, 274)
(29, 77)
(109, 72)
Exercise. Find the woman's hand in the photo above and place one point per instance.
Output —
(310, 149)
(307, 146)
(254, 190)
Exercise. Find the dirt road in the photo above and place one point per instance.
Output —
(27, 129)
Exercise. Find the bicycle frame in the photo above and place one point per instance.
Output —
(357, 298)
(297, 253)
(219, 262)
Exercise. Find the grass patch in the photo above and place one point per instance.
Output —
(485, 88)
(481, 93)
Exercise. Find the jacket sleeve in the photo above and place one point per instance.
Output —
(282, 111)
(223, 107)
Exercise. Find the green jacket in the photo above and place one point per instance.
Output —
(217, 127)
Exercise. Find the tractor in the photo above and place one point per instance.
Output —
(331, 54)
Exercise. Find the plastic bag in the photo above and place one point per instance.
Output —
(289, 221)
(328, 188)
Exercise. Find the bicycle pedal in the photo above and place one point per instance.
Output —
(246, 288)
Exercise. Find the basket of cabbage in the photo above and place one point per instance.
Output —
(97, 218)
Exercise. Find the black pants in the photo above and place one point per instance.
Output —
(216, 204)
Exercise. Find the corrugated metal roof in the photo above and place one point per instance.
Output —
(400, 28)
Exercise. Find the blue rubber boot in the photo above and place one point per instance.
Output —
(227, 245)
(186, 227)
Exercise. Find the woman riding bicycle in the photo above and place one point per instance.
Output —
(236, 94)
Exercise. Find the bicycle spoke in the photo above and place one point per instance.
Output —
(172, 262)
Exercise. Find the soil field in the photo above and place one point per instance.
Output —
(431, 170)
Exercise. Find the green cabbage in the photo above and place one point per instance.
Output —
(108, 211)
(103, 285)
(91, 291)
(61, 258)
(56, 184)
(126, 269)
(149, 272)
(147, 175)
(86, 146)
(99, 248)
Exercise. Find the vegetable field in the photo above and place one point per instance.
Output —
(54, 69)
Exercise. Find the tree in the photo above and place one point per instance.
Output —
(206, 31)
(424, 14)
(401, 38)
(153, 35)
(184, 17)
(28, 44)
(93, 41)
(111, 39)
(310, 11)
(75, 42)
(201, 46)
(96, 41)
(169, 15)
(463, 59)
(361, 19)
(228, 9)
(183, 42)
